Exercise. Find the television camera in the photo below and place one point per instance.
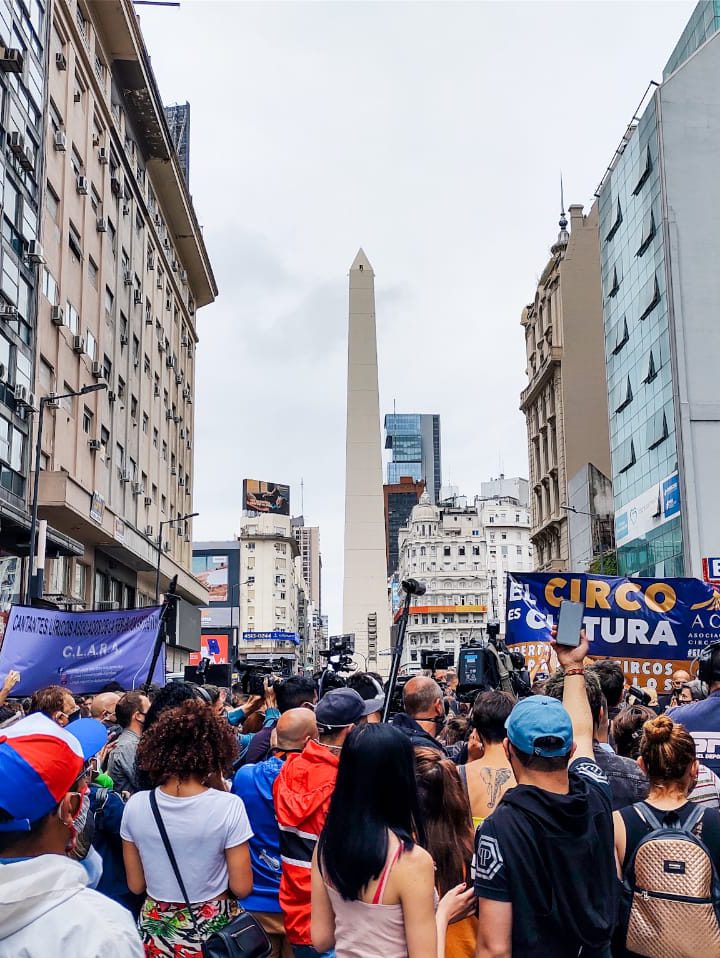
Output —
(255, 673)
(486, 664)
(339, 659)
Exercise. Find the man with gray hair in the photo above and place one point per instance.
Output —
(424, 714)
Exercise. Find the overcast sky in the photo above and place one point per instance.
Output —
(430, 134)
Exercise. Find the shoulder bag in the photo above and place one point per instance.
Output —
(243, 937)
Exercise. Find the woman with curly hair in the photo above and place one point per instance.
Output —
(184, 755)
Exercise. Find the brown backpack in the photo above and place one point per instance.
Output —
(671, 893)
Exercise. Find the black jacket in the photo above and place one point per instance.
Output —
(627, 781)
(416, 733)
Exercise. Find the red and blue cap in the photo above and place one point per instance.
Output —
(39, 763)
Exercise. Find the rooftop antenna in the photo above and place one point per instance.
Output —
(302, 497)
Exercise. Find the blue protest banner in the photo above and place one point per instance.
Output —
(651, 626)
(82, 651)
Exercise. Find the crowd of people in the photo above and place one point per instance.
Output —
(576, 821)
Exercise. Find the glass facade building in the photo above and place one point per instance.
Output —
(704, 22)
(649, 329)
(414, 439)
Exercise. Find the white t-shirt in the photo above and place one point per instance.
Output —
(199, 827)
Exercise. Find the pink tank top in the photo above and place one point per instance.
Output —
(369, 929)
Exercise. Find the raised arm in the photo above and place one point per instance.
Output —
(575, 697)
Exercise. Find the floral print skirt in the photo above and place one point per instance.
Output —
(168, 931)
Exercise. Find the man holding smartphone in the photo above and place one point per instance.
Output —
(544, 860)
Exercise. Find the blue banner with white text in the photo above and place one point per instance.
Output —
(651, 626)
(81, 651)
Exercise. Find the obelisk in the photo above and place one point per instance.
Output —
(365, 589)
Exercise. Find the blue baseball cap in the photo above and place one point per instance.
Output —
(540, 716)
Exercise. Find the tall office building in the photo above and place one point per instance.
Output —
(308, 540)
(126, 270)
(178, 119)
(660, 249)
(365, 595)
(24, 30)
(271, 583)
(399, 499)
(565, 402)
(414, 441)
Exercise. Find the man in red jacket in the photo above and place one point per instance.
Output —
(302, 793)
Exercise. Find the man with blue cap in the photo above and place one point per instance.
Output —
(46, 908)
(544, 860)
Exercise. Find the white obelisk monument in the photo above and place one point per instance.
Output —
(365, 589)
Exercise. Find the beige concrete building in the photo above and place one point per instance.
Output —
(565, 401)
(273, 592)
(308, 540)
(125, 272)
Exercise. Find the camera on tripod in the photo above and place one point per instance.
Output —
(487, 664)
(339, 652)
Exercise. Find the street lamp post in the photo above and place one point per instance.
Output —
(166, 522)
(44, 400)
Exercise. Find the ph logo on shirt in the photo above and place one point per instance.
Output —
(488, 859)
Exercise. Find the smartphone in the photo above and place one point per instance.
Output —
(570, 622)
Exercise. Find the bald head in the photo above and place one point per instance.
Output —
(420, 695)
(103, 706)
(680, 678)
(294, 728)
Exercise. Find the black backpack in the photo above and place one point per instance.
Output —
(671, 892)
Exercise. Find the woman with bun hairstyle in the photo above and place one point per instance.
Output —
(667, 756)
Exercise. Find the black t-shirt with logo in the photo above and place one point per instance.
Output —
(552, 857)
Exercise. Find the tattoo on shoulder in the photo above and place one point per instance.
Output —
(494, 779)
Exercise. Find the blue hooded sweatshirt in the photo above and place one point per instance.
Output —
(254, 785)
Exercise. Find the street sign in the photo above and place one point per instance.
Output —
(711, 569)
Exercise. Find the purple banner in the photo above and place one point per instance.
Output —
(82, 651)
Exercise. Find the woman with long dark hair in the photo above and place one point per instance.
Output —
(449, 837)
(372, 881)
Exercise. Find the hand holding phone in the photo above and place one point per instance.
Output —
(570, 622)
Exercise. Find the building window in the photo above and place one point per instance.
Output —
(647, 170)
(648, 232)
(52, 203)
(626, 455)
(164, 451)
(657, 429)
(615, 280)
(75, 242)
(623, 395)
(145, 423)
(73, 319)
(651, 295)
(92, 272)
(90, 345)
(79, 580)
(621, 335)
(616, 225)
(651, 369)
(87, 422)
(133, 408)
(107, 369)
(446, 551)
(46, 376)
(163, 504)
(109, 300)
(155, 437)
